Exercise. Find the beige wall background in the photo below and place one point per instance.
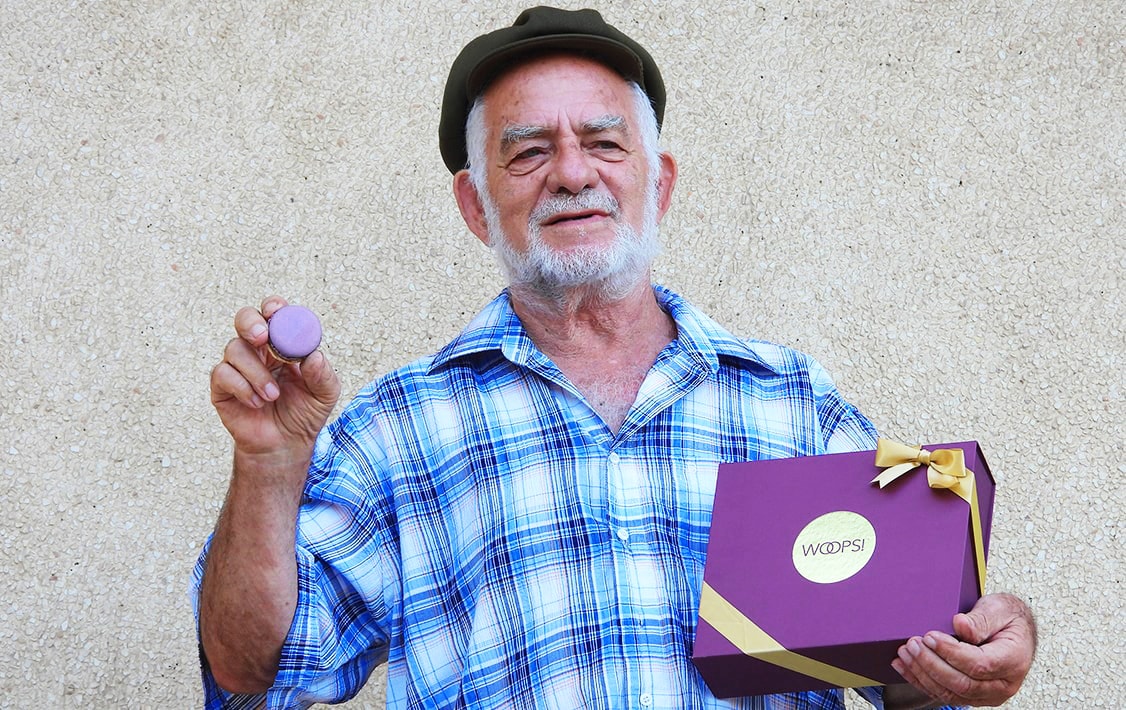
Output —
(927, 196)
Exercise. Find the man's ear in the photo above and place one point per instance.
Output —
(666, 181)
(469, 202)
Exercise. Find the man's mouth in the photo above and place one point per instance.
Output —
(573, 217)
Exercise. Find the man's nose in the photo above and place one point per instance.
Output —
(572, 170)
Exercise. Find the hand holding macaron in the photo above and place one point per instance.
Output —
(274, 390)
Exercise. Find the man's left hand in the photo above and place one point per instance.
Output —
(985, 665)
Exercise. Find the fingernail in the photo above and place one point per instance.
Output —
(913, 646)
(256, 401)
(272, 391)
(257, 331)
(930, 641)
(897, 666)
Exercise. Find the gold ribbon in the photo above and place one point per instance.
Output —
(946, 468)
(745, 635)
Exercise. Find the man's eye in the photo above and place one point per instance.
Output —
(529, 153)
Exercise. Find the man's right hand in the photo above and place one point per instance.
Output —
(270, 407)
(274, 410)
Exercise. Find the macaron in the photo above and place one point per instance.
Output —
(295, 332)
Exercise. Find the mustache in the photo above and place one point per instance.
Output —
(588, 199)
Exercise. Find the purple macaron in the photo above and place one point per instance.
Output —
(295, 332)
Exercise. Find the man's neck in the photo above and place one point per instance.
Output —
(582, 320)
(605, 348)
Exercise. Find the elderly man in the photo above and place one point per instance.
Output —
(520, 520)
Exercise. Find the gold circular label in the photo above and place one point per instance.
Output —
(834, 547)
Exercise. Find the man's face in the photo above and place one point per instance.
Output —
(571, 199)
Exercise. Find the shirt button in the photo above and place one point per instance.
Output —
(614, 458)
(623, 534)
(646, 699)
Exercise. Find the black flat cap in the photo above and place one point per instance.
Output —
(538, 30)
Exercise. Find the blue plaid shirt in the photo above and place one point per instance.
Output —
(470, 521)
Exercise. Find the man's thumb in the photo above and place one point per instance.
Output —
(320, 379)
(969, 628)
(990, 614)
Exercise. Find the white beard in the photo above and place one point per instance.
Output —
(613, 270)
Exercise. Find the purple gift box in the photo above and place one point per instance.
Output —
(815, 575)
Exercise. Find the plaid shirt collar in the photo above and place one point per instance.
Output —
(497, 328)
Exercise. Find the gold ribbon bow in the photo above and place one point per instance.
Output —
(946, 468)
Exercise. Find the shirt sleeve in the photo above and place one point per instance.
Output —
(843, 428)
(347, 586)
(318, 664)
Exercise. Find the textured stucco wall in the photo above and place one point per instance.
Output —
(927, 196)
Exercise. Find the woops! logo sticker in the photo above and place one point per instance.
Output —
(834, 547)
